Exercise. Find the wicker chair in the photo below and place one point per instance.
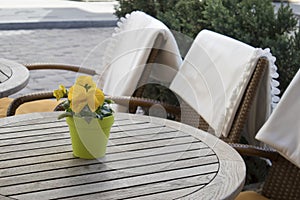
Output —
(14, 105)
(132, 102)
(185, 113)
(281, 132)
(211, 62)
(282, 181)
(191, 116)
(242, 113)
(149, 48)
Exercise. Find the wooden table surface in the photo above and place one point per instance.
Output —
(13, 77)
(147, 158)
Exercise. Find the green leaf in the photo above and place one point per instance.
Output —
(63, 115)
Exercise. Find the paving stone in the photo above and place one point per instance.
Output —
(71, 46)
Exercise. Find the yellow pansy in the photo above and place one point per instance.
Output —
(62, 88)
(85, 81)
(95, 98)
(59, 93)
(84, 99)
(77, 97)
(84, 93)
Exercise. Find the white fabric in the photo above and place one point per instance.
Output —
(282, 130)
(213, 77)
(266, 94)
(129, 50)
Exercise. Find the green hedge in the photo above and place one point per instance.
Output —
(252, 21)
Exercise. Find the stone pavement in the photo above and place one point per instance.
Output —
(54, 31)
(71, 46)
(33, 14)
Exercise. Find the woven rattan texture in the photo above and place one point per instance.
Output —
(246, 102)
(283, 181)
(185, 113)
(43, 95)
(190, 116)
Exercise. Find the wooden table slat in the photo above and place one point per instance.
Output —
(111, 149)
(5, 70)
(144, 133)
(35, 152)
(111, 175)
(39, 145)
(197, 182)
(65, 160)
(13, 131)
(126, 147)
(13, 77)
(51, 135)
(36, 122)
(110, 156)
(117, 131)
(3, 77)
(120, 183)
(147, 158)
(100, 168)
(63, 133)
(166, 190)
(39, 119)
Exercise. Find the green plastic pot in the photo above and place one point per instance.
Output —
(89, 137)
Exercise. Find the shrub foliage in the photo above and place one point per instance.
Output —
(254, 22)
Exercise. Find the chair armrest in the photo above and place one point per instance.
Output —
(74, 68)
(26, 98)
(121, 100)
(144, 102)
(251, 150)
(125, 101)
(44, 95)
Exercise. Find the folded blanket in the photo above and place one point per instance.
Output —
(282, 130)
(214, 76)
(129, 49)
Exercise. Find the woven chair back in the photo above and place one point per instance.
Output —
(189, 116)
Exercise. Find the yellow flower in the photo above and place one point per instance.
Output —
(77, 97)
(83, 93)
(62, 88)
(85, 81)
(95, 98)
(59, 93)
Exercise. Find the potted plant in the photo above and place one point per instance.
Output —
(88, 115)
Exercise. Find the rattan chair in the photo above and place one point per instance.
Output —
(14, 105)
(193, 118)
(242, 113)
(281, 133)
(185, 113)
(138, 42)
(220, 81)
(133, 102)
(191, 115)
(283, 178)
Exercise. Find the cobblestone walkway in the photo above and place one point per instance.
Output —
(71, 46)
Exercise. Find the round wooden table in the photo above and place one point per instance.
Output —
(13, 77)
(147, 158)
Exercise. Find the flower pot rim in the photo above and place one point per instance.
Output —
(110, 116)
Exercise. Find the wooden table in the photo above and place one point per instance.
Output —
(13, 77)
(147, 158)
